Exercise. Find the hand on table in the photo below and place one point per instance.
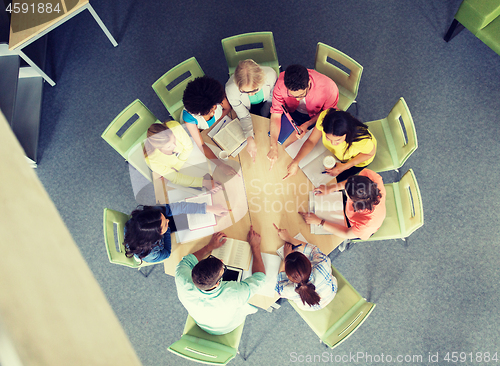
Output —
(336, 170)
(310, 218)
(227, 169)
(272, 155)
(212, 185)
(218, 210)
(252, 148)
(287, 249)
(293, 167)
(217, 240)
(253, 238)
(283, 233)
(321, 190)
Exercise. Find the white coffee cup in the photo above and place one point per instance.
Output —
(223, 155)
(329, 162)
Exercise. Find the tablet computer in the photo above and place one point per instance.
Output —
(232, 274)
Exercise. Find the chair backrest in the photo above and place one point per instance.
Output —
(258, 46)
(403, 146)
(347, 82)
(200, 346)
(404, 209)
(170, 87)
(135, 132)
(341, 317)
(129, 142)
(114, 224)
(409, 204)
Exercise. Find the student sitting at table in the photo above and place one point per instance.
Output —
(307, 278)
(305, 93)
(250, 90)
(364, 209)
(205, 103)
(147, 233)
(346, 137)
(166, 150)
(218, 307)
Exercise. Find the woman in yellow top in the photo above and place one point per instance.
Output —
(166, 149)
(346, 137)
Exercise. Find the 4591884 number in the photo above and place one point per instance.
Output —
(470, 357)
(39, 8)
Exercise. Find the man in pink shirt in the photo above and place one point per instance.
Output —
(305, 93)
(364, 209)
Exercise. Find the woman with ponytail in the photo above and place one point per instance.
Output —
(306, 274)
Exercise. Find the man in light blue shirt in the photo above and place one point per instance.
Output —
(217, 306)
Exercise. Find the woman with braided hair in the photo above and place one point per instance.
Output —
(306, 274)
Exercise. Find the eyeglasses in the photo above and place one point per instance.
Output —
(303, 95)
(249, 92)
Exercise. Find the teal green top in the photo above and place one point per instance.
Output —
(257, 98)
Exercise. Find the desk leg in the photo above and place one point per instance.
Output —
(101, 24)
(35, 67)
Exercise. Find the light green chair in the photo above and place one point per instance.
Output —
(347, 82)
(179, 76)
(241, 47)
(341, 317)
(405, 212)
(199, 346)
(393, 147)
(129, 143)
(481, 18)
(114, 225)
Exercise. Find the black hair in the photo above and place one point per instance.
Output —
(339, 123)
(363, 192)
(296, 77)
(206, 273)
(201, 94)
(143, 231)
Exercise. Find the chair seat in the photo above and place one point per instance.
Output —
(383, 160)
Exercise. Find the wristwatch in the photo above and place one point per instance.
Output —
(322, 222)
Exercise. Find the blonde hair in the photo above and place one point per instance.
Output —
(158, 134)
(249, 73)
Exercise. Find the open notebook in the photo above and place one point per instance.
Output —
(234, 253)
(312, 163)
(228, 135)
(198, 221)
(329, 207)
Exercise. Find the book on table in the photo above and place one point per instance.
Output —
(312, 163)
(234, 253)
(329, 207)
(229, 136)
(200, 221)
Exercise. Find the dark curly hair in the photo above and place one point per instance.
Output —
(298, 270)
(143, 231)
(296, 77)
(363, 192)
(201, 94)
(339, 123)
(206, 273)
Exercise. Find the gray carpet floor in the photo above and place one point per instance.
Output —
(436, 293)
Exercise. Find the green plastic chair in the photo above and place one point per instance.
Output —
(265, 55)
(115, 220)
(481, 18)
(348, 83)
(129, 144)
(405, 212)
(199, 346)
(341, 317)
(393, 148)
(172, 98)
